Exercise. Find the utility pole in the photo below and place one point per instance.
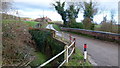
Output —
(43, 13)
(43, 16)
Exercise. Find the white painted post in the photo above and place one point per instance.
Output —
(74, 44)
(66, 54)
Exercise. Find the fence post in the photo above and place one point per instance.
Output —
(62, 36)
(70, 38)
(74, 44)
(53, 33)
(85, 52)
(66, 54)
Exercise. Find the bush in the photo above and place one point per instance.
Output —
(77, 25)
(57, 27)
(46, 43)
(88, 24)
(50, 23)
(107, 27)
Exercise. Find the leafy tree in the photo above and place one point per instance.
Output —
(60, 9)
(90, 11)
(72, 14)
(68, 15)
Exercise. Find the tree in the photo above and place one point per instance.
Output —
(60, 9)
(6, 6)
(112, 13)
(104, 24)
(68, 15)
(109, 25)
(90, 10)
(72, 14)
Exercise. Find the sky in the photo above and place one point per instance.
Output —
(39, 8)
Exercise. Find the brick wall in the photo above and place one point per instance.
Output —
(96, 34)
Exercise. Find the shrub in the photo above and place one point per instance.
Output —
(77, 25)
(46, 43)
(57, 27)
(107, 27)
(50, 22)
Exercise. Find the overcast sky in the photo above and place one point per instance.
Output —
(38, 8)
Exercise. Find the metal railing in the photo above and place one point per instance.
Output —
(65, 52)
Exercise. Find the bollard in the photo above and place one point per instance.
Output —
(85, 52)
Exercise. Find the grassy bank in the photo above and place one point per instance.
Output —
(85, 35)
(17, 44)
(47, 45)
(56, 27)
(77, 59)
(31, 23)
(39, 59)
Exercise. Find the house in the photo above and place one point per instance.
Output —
(43, 19)
(26, 19)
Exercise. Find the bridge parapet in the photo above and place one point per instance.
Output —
(97, 34)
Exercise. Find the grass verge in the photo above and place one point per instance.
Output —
(56, 27)
(31, 23)
(85, 35)
(40, 58)
(77, 59)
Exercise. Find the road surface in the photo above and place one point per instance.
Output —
(102, 52)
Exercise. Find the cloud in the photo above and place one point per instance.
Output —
(34, 9)
(37, 14)
(29, 5)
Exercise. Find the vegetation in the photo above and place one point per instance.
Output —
(44, 24)
(56, 27)
(77, 59)
(45, 44)
(17, 44)
(50, 22)
(17, 41)
(72, 14)
(21, 45)
(68, 15)
(60, 8)
(40, 58)
(108, 25)
(77, 25)
(56, 22)
(89, 11)
(81, 34)
(6, 6)
(31, 23)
